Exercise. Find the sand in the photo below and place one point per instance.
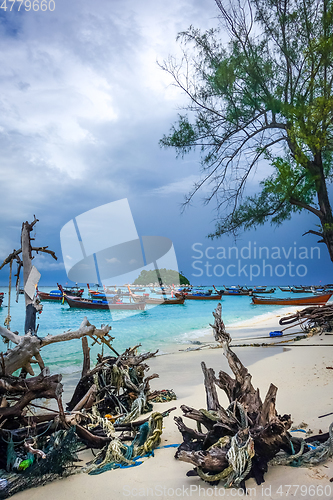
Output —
(299, 370)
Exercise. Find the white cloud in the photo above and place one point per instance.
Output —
(182, 186)
(114, 260)
(45, 262)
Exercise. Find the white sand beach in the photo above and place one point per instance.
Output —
(302, 372)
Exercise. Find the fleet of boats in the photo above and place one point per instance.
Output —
(128, 298)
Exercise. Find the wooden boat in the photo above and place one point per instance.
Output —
(299, 301)
(79, 303)
(73, 291)
(57, 295)
(117, 291)
(156, 300)
(92, 292)
(53, 295)
(199, 296)
(162, 291)
(234, 292)
(301, 289)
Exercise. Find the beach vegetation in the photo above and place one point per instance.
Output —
(262, 97)
(167, 277)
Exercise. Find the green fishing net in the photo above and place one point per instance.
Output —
(61, 454)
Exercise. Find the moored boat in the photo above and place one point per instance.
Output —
(74, 291)
(57, 295)
(301, 289)
(200, 296)
(299, 301)
(53, 295)
(234, 292)
(79, 303)
(262, 290)
(156, 300)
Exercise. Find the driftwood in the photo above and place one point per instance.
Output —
(320, 317)
(29, 345)
(238, 442)
(106, 401)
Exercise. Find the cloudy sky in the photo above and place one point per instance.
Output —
(83, 104)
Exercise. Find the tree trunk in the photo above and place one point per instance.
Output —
(30, 305)
(325, 208)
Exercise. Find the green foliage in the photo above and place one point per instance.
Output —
(168, 277)
(182, 138)
(266, 95)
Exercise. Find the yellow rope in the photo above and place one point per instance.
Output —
(153, 441)
(216, 477)
(239, 458)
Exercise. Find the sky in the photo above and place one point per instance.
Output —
(83, 105)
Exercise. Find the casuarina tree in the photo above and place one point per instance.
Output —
(263, 95)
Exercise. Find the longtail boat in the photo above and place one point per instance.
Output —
(156, 300)
(80, 303)
(262, 290)
(53, 295)
(200, 296)
(299, 301)
(57, 295)
(232, 291)
(73, 291)
(301, 289)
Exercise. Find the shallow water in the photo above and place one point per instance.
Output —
(167, 328)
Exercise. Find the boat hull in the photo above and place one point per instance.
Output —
(299, 301)
(103, 305)
(49, 296)
(156, 301)
(203, 297)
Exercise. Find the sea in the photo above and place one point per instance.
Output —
(166, 328)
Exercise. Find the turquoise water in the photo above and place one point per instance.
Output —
(167, 328)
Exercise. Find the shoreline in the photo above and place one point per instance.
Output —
(301, 372)
(259, 324)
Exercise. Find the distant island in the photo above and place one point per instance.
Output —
(168, 277)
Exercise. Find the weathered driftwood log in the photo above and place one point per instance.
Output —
(320, 317)
(42, 386)
(239, 441)
(29, 346)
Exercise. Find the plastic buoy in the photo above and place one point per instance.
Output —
(277, 333)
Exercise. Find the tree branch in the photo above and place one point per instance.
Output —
(301, 204)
